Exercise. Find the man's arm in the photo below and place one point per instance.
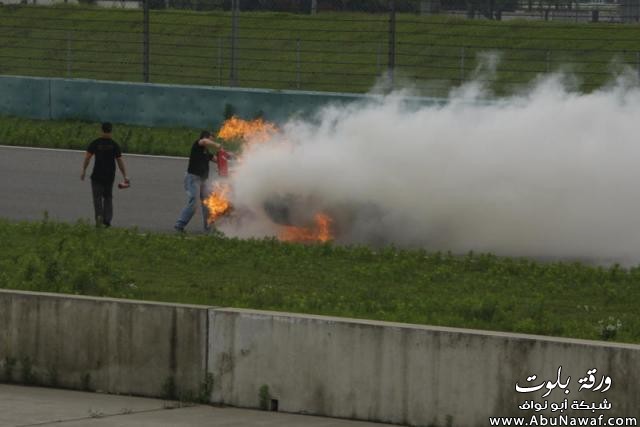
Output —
(208, 142)
(85, 163)
(122, 168)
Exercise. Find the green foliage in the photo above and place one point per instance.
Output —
(170, 391)
(206, 388)
(609, 329)
(429, 51)
(480, 291)
(76, 135)
(264, 397)
(51, 266)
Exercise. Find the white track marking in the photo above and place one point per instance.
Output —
(66, 150)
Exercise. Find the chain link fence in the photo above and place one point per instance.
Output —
(321, 45)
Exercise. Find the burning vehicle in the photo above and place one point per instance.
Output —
(298, 218)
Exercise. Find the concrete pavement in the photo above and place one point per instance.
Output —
(33, 406)
(36, 180)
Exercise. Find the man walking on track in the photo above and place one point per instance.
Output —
(107, 153)
(195, 180)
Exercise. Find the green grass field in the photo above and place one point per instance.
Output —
(76, 135)
(328, 51)
(476, 291)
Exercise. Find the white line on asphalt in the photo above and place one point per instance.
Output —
(82, 151)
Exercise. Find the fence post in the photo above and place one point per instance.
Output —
(638, 63)
(462, 55)
(392, 44)
(220, 48)
(298, 63)
(69, 59)
(314, 7)
(379, 59)
(233, 76)
(145, 41)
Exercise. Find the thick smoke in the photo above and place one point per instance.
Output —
(548, 172)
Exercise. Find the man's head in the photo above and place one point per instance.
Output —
(205, 134)
(107, 127)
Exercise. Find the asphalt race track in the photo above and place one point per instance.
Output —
(33, 181)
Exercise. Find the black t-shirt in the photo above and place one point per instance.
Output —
(199, 160)
(106, 151)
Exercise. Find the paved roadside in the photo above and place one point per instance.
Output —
(35, 406)
(33, 181)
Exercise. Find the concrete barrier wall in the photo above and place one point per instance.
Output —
(153, 104)
(25, 97)
(406, 374)
(178, 105)
(115, 346)
(379, 371)
(161, 105)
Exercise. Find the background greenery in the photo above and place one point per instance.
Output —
(330, 51)
(73, 134)
(476, 291)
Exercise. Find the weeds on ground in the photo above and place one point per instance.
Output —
(480, 291)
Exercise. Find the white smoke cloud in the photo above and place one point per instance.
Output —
(546, 172)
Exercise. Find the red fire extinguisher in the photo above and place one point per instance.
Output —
(222, 162)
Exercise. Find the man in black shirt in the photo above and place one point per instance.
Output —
(107, 153)
(195, 180)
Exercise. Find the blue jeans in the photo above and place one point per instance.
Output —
(194, 186)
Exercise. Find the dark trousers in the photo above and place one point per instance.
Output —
(102, 201)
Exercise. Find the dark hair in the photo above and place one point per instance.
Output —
(205, 134)
(107, 127)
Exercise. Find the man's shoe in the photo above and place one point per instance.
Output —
(178, 229)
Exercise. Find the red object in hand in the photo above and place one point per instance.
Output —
(221, 160)
(124, 184)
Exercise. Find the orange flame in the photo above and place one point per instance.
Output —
(218, 202)
(255, 130)
(320, 232)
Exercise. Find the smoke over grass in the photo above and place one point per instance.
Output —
(546, 172)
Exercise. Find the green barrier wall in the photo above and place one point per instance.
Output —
(151, 104)
(158, 105)
(25, 97)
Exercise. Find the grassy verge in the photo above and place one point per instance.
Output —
(475, 291)
(329, 51)
(76, 135)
